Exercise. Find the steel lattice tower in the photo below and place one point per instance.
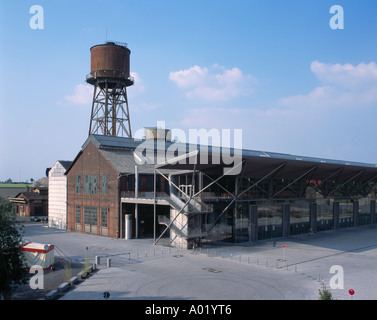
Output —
(110, 76)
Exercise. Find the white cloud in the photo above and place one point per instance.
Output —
(347, 75)
(138, 87)
(213, 84)
(188, 78)
(341, 86)
(83, 94)
(230, 76)
(299, 124)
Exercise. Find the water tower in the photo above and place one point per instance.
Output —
(110, 76)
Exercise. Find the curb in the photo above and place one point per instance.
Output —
(66, 286)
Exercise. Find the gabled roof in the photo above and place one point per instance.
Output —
(124, 162)
(119, 152)
(112, 143)
(65, 164)
(30, 196)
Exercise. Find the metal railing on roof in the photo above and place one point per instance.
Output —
(118, 43)
(110, 73)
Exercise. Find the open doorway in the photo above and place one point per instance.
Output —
(145, 220)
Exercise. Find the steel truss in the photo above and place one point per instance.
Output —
(334, 184)
(354, 186)
(190, 196)
(234, 196)
(110, 114)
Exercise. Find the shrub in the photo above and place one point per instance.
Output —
(325, 294)
(86, 268)
(68, 271)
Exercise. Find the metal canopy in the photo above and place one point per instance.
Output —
(294, 174)
(258, 164)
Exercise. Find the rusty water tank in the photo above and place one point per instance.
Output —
(110, 60)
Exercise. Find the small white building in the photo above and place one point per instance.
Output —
(57, 195)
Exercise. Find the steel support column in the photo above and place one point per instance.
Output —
(313, 216)
(373, 211)
(253, 223)
(336, 215)
(355, 213)
(286, 219)
(154, 205)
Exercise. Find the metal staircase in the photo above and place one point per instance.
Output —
(190, 208)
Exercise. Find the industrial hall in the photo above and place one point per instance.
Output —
(187, 204)
(197, 197)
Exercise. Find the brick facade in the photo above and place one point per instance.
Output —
(100, 194)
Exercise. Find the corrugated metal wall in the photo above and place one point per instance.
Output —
(57, 197)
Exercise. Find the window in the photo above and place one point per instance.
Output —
(78, 184)
(150, 180)
(104, 217)
(104, 184)
(90, 186)
(90, 216)
(78, 214)
(131, 183)
(345, 214)
(270, 220)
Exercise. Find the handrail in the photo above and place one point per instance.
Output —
(118, 43)
(143, 194)
(109, 73)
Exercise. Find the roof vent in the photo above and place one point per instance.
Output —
(158, 134)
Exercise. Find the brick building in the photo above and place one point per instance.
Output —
(101, 189)
(34, 202)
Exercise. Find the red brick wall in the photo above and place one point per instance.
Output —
(92, 162)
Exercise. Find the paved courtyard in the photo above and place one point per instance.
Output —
(266, 270)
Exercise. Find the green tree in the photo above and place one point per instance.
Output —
(5, 206)
(12, 272)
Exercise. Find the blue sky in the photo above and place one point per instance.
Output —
(274, 69)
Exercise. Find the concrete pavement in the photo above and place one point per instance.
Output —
(266, 270)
